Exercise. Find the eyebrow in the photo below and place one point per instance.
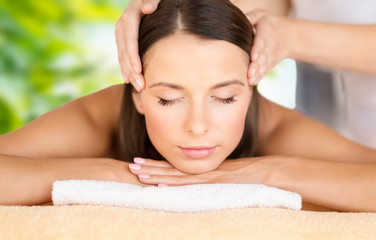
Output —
(178, 87)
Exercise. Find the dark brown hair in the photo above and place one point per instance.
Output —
(206, 19)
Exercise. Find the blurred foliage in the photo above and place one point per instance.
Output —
(46, 58)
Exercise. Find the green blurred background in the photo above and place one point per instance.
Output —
(52, 51)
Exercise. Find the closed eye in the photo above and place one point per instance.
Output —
(229, 100)
(164, 102)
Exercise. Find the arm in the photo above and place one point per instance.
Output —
(334, 185)
(344, 46)
(313, 160)
(342, 186)
(335, 45)
(299, 155)
(286, 132)
(70, 142)
(126, 33)
(28, 181)
(72, 130)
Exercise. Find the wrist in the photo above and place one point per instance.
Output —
(77, 168)
(291, 39)
(102, 169)
(279, 172)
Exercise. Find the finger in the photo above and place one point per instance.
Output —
(171, 180)
(149, 6)
(255, 15)
(257, 70)
(257, 48)
(264, 70)
(131, 43)
(261, 69)
(261, 61)
(137, 169)
(134, 65)
(119, 31)
(126, 34)
(257, 79)
(251, 74)
(137, 81)
(151, 162)
(124, 66)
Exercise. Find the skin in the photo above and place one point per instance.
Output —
(79, 140)
(126, 33)
(278, 37)
(196, 113)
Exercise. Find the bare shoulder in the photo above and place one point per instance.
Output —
(283, 131)
(103, 106)
(279, 127)
(271, 116)
(81, 128)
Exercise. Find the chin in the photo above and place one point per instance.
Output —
(198, 167)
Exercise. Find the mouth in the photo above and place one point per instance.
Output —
(197, 152)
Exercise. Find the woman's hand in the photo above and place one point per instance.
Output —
(271, 45)
(126, 33)
(256, 170)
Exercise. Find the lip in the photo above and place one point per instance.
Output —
(198, 152)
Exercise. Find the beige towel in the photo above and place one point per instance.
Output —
(99, 222)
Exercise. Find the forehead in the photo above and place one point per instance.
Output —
(183, 58)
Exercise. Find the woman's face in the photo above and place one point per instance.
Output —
(195, 100)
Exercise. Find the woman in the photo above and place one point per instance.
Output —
(196, 111)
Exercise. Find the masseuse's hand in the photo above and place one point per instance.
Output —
(271, 45)
(126, 33)
(245, 170)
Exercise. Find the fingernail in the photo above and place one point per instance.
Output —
(148, 5)
(162, 185)
(138, 83)
(144, 176)
(253, 71)
(254, 81)
(135, 166)
(139, 160)
(255, 56)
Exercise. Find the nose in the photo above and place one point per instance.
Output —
(197, 121)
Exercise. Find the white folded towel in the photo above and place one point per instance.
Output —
(188, 198)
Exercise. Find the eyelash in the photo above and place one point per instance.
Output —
(226, 100)
(164, 102)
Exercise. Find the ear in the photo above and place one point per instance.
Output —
(136, 97)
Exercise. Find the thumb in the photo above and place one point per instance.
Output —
(255, 15)
(149, 6)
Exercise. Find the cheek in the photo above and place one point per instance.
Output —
(162, 126)
(231, 119)
(232, 124)
(157, 124)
